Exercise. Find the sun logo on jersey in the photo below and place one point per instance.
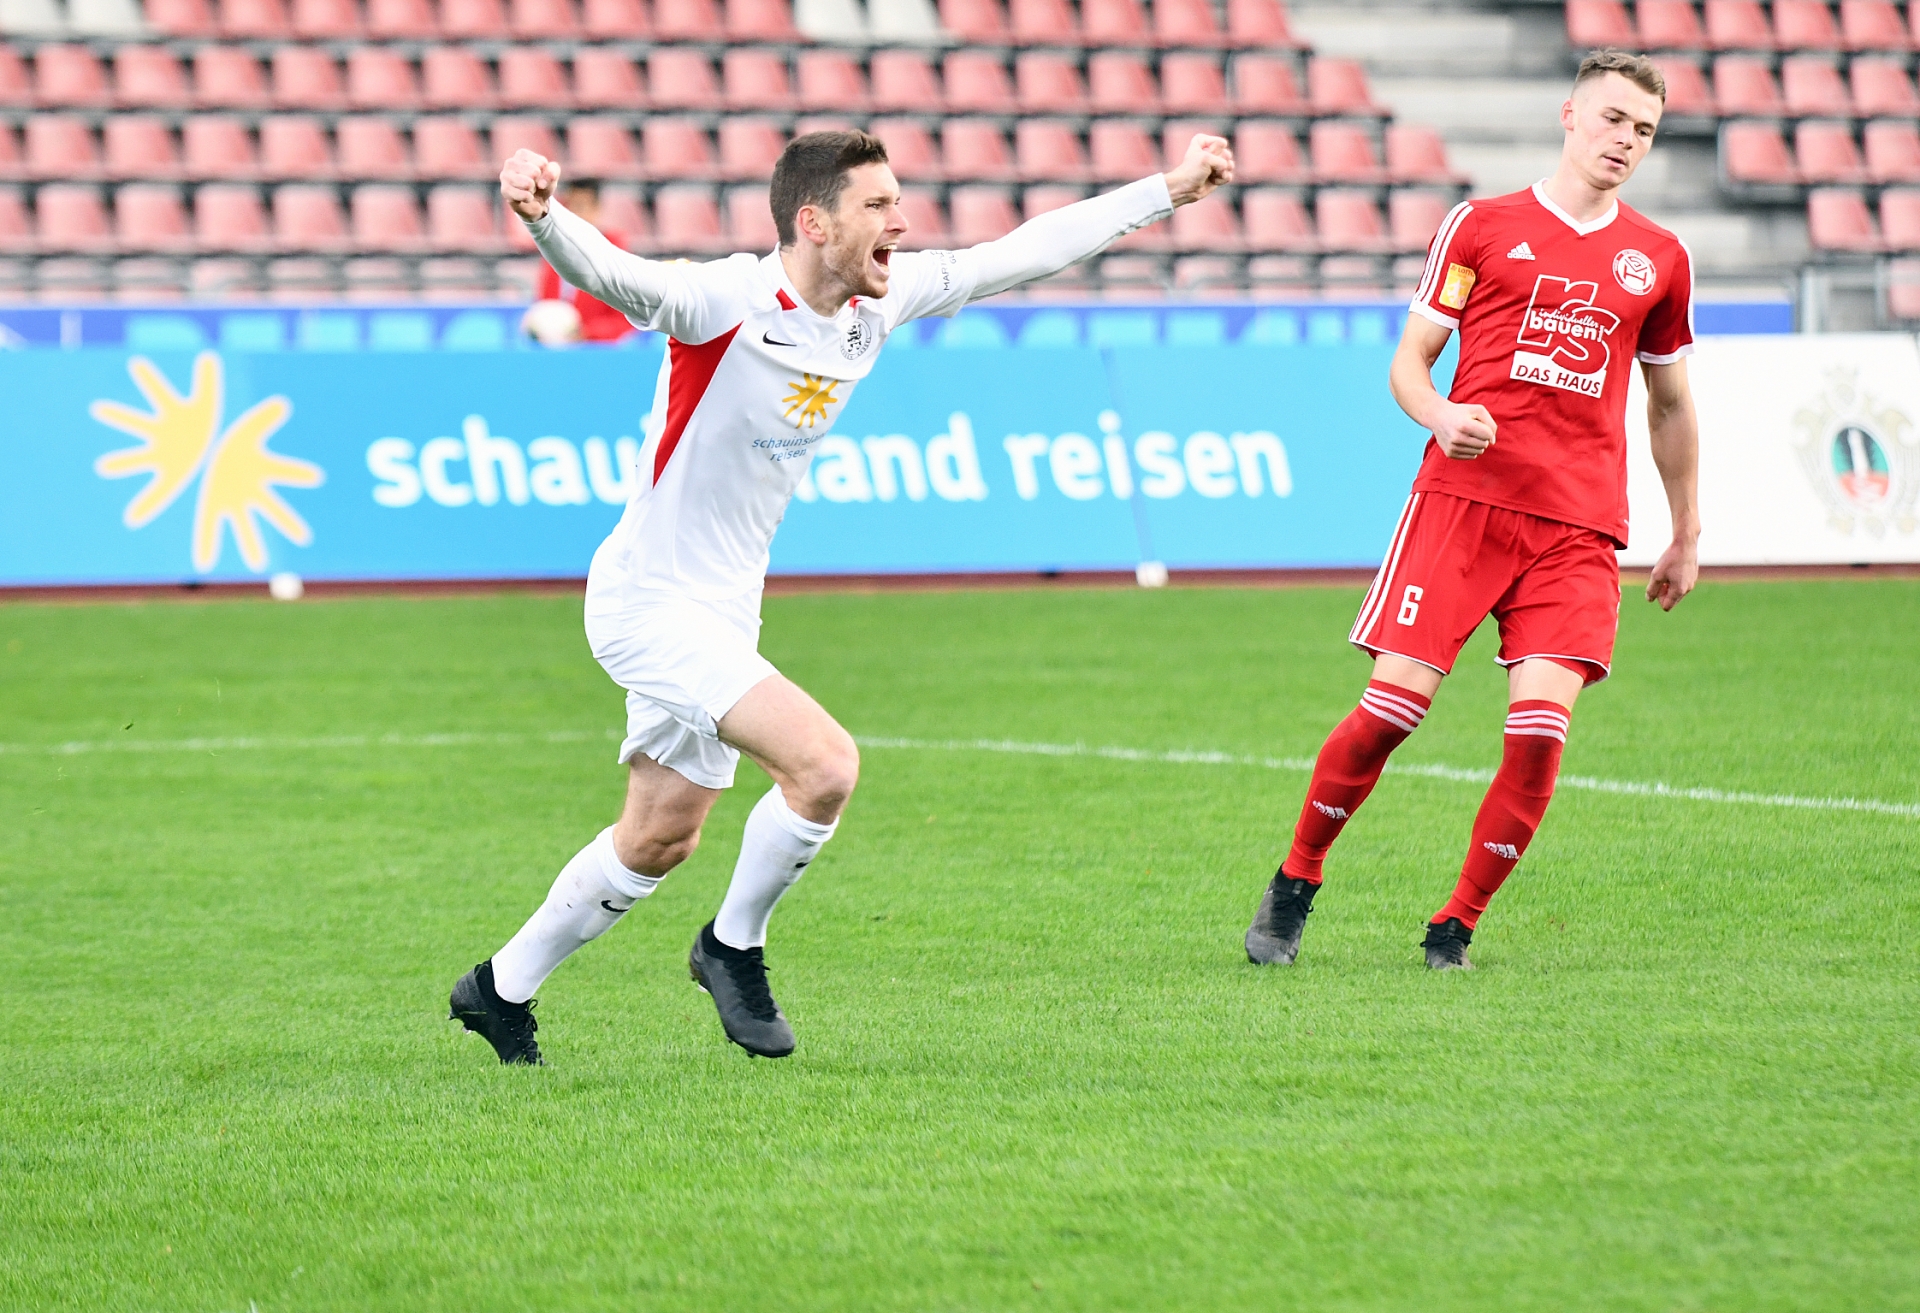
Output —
(181, 439)
(809, 400)
(1568, 335)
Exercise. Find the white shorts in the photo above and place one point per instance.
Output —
(684, 666)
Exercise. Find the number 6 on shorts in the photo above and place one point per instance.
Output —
(1410, 604)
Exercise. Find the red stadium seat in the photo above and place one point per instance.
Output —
(1893, 151)
(904, 81)
(532, 78)
(910, 149)
(473, 20)
(1597, 24)
(255, 20)
(760, 20)
(182, 18)
(70, 77)
(1756, 153)
(926, 220)
(1343, 152)
(622, 214)
(10, 159)
(1121, 151)
(1044, 23)
(1805, 25)
(1260, 24)
(380, 78)
(541, 20)
(1048, 83)
(223, 279)
(981, 214)
(227, 217)
(1670, 25)
(454, 77)
(372, 148)
(229, 77)
(977, 83)
(687, 221)
(687, 20)
(1349, 221)
(385, 218)
(831, 79)
(300, 281)
(1265, 84)
(755, 79)
(1267, 152)
(1737, 25)
(615, 20)
(71, 218)
(1810, 84)
(975, 150)
(1339, 86)
(1872, 25)
(400, 20)
(1036, 201)
(1743, 84)
(216, 146)
(1275, 221)
(61, 146)
(1114, 23)
(682, 79)
(677, 148)
(1049, 149)
(1838, 220)
(461, 219)
(1204, 275)
(16, 227)
(148, 280)
(383, 280)
(1119, 82)
(1882, 87)
(1900, 218)
(150, 217)
(449, 148)
(975, 20)
(305, 77)
(607, 79)
(1209, 225)
(150, 76)
(1192, 84)
(1186, 23)
(293, 147)
(326, 20)
(604, 148)
(137, 146)
(750, 224)
(1687, 93)
(1135, 277)
(1413, 217)
(1417, 153)
(749, 147)
(511, 132)
(1826, 152)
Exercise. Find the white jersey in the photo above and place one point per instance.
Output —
(754, 378)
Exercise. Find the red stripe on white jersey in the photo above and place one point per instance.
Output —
(689, 372)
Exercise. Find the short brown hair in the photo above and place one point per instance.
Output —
(1637, 69)
(813, 171)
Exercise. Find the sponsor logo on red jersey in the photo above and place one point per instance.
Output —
(1564, 337)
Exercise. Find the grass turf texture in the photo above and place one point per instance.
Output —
(1035, 1069)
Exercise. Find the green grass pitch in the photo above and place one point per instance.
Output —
(1035, 1068)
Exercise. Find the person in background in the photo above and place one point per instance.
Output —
(593, 320)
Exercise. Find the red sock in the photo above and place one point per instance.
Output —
(1347, 769)
(1515, 802)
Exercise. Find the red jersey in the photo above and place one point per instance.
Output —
(1552, 313)
(599, 322)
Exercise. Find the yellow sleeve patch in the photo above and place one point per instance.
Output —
(1459, 283)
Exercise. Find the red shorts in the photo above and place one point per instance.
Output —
(1554, 587)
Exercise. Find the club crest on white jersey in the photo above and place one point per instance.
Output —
(1634, 271)
(1564, 337)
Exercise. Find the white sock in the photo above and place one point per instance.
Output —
(775, 849)
(594, 890)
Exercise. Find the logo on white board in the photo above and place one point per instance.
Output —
(1862, 458)
(1634, 271)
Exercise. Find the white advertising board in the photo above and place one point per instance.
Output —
(1809, 452)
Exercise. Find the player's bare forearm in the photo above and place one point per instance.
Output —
(1462, 430)
(1674, 432)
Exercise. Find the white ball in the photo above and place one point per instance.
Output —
(1151, 574)
(286, 587)
(552, 323)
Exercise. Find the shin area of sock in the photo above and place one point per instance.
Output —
(775, 851)
(1346, 770)
(592, 891)
(1515, 804)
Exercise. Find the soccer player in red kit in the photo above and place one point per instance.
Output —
(1521, 500)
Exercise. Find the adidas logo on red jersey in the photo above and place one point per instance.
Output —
(1521, 252)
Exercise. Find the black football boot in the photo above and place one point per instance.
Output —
(736, 978)
(507, 1026)
(1274, 937)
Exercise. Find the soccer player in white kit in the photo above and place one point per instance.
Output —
(762, 354)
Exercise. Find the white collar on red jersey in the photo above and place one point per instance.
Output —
(1590, 226)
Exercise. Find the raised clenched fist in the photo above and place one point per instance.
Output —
(528, 180)
(1208, 164)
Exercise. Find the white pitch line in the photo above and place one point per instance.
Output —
(1588, 783)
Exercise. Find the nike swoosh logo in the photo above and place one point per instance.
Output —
(771, 340)
(611, 908)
